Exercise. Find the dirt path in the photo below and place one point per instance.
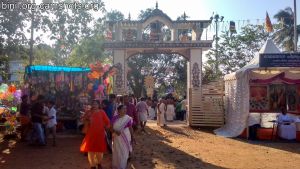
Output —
(174, 147)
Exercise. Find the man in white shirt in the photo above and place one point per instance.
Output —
(142, 110)
(51, 123)
(287, 128)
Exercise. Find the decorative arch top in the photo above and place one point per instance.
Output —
(158, 14)
(162, 28)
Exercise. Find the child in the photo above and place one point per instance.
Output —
(51, 123)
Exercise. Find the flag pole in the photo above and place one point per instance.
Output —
(295, 27)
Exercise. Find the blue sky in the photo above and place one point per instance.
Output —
(203, 9)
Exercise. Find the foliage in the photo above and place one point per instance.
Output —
(114, 16)
(12, 35)
(235, 51)
(69, 27)
(65, 27)
(284, 36)
(43, 54)
(167, 69)
(144, 14)
(89, 50)
(12, 25)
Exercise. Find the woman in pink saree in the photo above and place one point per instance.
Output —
(122, 138)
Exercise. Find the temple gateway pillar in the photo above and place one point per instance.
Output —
(194, 69)
(120, 77)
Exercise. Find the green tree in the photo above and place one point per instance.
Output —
(69, 27)
(12, 34)
(43, 54)
(235, 51)
(144, 14)
(12, 26)
(114, 16)
(89, 50)
(284, 36)
(167, 69)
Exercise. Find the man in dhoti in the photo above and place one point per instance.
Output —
(161, 110)
(142, 109)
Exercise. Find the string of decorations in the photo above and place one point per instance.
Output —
(239, 24)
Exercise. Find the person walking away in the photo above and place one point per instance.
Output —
(151, 111)
(142, 110)
(132, 112)
(178, 111)
(170, 113)
(52, 122)
(37, 118)
(25, 117)
(183, 109)
(94, 142)
(122, 138)
(161, 110)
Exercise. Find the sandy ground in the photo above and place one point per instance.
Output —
(174, 147)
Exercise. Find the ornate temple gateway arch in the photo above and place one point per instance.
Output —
(158, 33)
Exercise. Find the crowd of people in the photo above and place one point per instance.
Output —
(109, 125)
(112, 124)
(38, 120)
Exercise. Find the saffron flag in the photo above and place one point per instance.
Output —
(269, 27)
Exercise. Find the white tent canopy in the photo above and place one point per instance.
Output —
(237, 95)
(268, 47)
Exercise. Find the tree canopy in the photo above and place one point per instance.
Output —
(284, 35)
(235, 51)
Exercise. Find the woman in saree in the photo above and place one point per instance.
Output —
(122, 138)
(94, 142)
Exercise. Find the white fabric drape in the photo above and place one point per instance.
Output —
(236, 106)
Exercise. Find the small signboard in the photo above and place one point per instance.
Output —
(279, 60)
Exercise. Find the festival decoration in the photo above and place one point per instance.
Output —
(12, 88)
(3, 87)
(98, 70)
(10, 97)
(149, 84)
(101, 79)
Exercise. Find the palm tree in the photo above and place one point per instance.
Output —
(284, 36)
